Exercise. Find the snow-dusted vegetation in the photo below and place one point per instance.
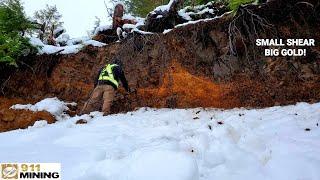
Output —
(68, 49)
(63, 44)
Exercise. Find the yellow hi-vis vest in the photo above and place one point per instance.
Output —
(107, 74)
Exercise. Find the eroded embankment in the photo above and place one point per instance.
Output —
(19, 119)
(191, 66)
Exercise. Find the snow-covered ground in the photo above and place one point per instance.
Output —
(275, 143)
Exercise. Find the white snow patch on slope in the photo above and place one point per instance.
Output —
(129, 26)
(58, 30)
(164, 7)
(133, 27)
(53, 105)
(39, 124)
(70, 49)
(167, 31)
(79, 40)
(196, 10)
(102, 28)
(94, 43)
(142, 32)
(262, 144)
(63, 38)
(128, 16)
(193, 22)
(201, 20)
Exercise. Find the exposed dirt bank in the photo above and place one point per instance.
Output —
(192, 65)
(19, 119)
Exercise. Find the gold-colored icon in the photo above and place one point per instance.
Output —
(9, 171)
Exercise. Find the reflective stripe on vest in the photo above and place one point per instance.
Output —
(107, 74)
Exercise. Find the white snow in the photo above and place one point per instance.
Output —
(128, 16)
(36, 42)
(166, 31)
(196, 10)
(102, 28)
(184, 15)
(148, 164)
(119, 32)
(129, 26)
(133, 27)
(52, 105)
(79, 40)
(58, 30)
(69, 49)
(142, 32)
(124, 34)
(206, 10)
(63, 38)
(39, 124)
(201, 20)
(94, 43)
(192, 22)
(176, 144)
(164, 7)
(140, 21)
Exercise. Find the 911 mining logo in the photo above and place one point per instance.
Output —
(10, 171)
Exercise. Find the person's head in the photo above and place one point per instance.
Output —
(117, 61)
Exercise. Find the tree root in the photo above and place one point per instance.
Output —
(245, 28)
(4, 84)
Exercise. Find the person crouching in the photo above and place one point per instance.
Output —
(106, 84)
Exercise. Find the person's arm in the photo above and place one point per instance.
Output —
(122, 78)
(97, 78)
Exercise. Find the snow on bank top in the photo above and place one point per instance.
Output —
(69, 49)
(275, 143)
(189, 11)
(164, 7)
(194, 22)
(102, 28)
(59, 30)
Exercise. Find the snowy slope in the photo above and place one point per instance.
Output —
(165, 144)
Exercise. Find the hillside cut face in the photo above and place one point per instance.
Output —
(11, 119)
(212, 63)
